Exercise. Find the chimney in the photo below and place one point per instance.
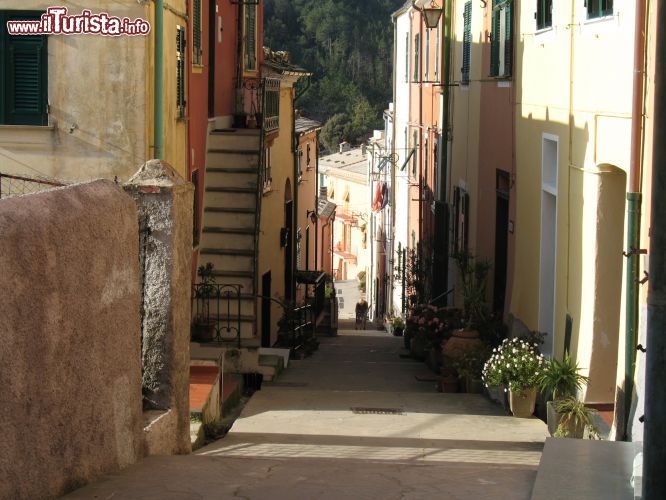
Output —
(364, 149)
(344, 147)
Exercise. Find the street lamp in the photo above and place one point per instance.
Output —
(431, 13)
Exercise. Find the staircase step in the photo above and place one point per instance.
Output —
(232, 170)
(231, 189)
(243, 278)
(244, 218)
(232, 179)
(227, 251)
(232, 159)
(229, 230)
(235, 238)
(232, 139)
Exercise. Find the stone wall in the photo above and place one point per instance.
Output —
(70, 354)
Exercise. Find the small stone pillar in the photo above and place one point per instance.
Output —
(165, 204)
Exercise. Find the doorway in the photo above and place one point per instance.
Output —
(503, 186)
(266, 310)
(212, 31)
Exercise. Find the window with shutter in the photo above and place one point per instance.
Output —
(501, 55)
(544, 14)
(196, 32)
(599, 8)
(180, 71)
(250, 34)
(23, 74)
(437, 52)
(417, 46)
(467, 42)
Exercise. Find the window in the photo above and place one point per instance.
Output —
(180, 71)
(406, 57)
(599, 8)
(544, 14)
(299, 164)
(417, 46)
(501, 55)
(196, 32)
(467, 42)
(427, 55)
(23, 73)
(415, 147)
(250, 38)
(307, 157)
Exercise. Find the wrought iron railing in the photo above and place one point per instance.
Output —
(217, 312)
(271, 104)
(17, 185)
(303, 325)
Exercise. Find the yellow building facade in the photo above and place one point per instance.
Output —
(100, 98)
(573, 109)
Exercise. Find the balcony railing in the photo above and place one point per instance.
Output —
(271, 107)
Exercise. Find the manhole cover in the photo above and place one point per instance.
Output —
(358, 410)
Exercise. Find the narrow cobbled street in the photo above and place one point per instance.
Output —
(353, 421)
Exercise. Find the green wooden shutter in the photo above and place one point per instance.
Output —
(417, 46)
(427, 55)
(407, 57)
(416, 156)
(251, 38)
(467, 41)
(196, 32)
(180, 71)
(508, 39)
(23, 74)
(495, 43)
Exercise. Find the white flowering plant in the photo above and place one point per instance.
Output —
(516, 364)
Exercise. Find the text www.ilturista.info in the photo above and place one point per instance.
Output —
(56, 21)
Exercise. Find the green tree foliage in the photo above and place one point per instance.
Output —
(347, 44)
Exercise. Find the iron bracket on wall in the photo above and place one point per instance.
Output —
(645, 279)
(635, 251)
(640, 347)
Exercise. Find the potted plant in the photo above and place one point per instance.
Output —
(517, 365)
(559, 380)
(398, 326)
(204, 325)
(473, 274)
(470, 368)
(575, 418)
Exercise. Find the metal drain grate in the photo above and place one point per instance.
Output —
(359, 410)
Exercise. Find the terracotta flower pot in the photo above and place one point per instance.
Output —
(460, 343)
(449, 384)
(522, 403)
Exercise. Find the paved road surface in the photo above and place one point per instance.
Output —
(300, 439)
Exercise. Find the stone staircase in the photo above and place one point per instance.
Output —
(230, 218)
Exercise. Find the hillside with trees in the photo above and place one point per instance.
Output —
(348, 45)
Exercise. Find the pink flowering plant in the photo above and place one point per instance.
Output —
(515, 364)
(433, 323)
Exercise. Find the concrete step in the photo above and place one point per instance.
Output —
(230, 158)
(230, 217)
(270, 366)
(227, 240)
(233, 259)
(243, 278)
(230, 198)
(233, 140)
(232, 177)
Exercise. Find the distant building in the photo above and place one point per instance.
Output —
(346, 180)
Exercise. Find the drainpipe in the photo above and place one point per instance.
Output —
(159, 80)
(634, 199)
(444, 143)
(654, 449)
